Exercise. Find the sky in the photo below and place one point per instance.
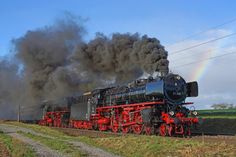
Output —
(170, 21)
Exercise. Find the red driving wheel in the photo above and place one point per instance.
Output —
(137, 128)
(115, 126)
(169, 129)
(125, 129)
(125, 119)
(163, 130)
(115, 129)
(148, 130)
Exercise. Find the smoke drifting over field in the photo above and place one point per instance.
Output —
(57, 62)
(10, 85)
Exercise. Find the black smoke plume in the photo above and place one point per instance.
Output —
(57, 62)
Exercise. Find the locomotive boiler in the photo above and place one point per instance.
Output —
(144, 106)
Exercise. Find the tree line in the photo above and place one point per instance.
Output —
(223, 106)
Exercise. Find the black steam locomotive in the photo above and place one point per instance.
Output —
(143, 106)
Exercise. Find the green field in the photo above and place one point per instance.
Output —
(219, 113)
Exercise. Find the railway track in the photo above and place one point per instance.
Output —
(94, 134)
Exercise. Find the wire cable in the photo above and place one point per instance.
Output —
(210, 58)
(203, 43)
(198, 53)
(204, 31)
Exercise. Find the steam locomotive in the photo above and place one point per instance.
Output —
(150, 106)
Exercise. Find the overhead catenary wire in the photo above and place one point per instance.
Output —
(210, 58)
(199, 52)
(203, 43)
(204, 31)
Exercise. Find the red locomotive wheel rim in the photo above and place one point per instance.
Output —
(170, 130)
(100, 127)
(137, 129)
(115, 129)
(163, 130)
(125, 129)
(114, 125)
(148, 130)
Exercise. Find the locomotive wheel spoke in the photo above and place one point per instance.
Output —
(100, 127)
(125, 119)
(163, 130)
(169, 129)
(149, 130)
(115, 128)
(125, 129)
(114, 125)
(137, 128)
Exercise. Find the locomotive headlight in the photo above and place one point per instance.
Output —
(171, 113)
(195, 113)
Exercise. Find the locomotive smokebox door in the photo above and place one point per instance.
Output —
(192, 89)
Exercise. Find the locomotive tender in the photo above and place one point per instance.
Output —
(144, 106)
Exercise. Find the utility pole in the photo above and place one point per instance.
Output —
(18, 119)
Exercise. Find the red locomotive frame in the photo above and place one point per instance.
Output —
(126, 118)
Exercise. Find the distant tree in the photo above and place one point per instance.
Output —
(223, 106)
(231, 106)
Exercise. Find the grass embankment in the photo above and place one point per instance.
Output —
(220, 113)
(152, 146)
(135, 146)
(13, 147)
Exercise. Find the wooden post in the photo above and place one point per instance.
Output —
(18, 118)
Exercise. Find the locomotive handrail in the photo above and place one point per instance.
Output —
(133, 105)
